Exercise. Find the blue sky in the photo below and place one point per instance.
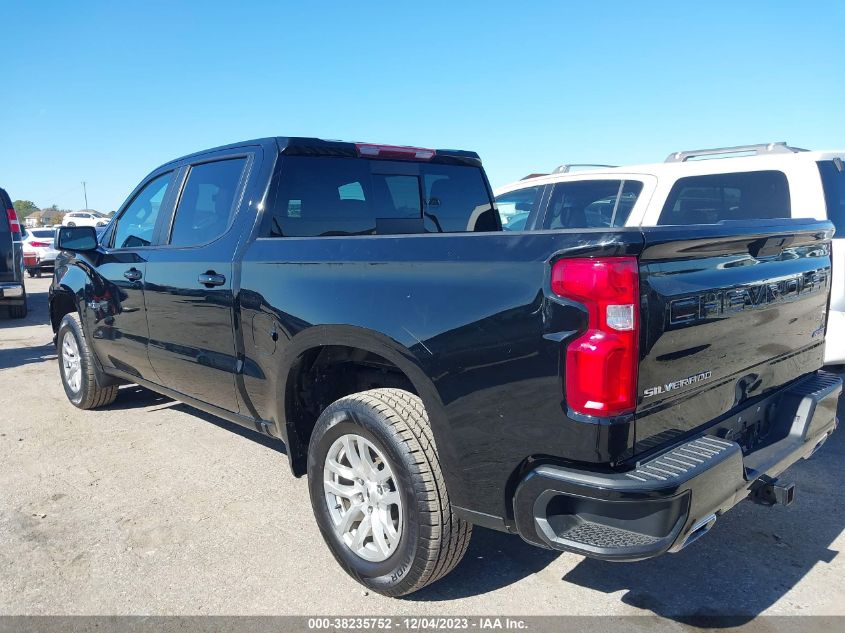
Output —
(106, 91)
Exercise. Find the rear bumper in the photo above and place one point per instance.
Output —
(11, 290)
(671, 499)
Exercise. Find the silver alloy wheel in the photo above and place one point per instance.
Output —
(363, 498)
(71, 363)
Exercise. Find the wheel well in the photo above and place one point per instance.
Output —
(61, 304)
(325, 374)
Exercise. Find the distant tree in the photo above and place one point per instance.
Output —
(24, 207)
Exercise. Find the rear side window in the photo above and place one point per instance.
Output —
(205, 205)
(833, 181)
(516, 206)
(737, 196)
(588, 204)
(325, 196)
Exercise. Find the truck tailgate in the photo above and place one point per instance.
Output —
(731, 311)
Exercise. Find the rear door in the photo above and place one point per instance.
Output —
(731, 311)
(189, 282)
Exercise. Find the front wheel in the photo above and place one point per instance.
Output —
(378, 493)
(76, 365)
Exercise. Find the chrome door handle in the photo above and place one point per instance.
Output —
(209, 279)
(133, 274)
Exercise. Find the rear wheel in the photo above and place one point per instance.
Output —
(378, 492)
(76, 366)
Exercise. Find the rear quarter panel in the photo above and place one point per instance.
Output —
(468, 316)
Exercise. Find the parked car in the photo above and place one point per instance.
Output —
(747, 182)
(12, 288)
(38, 250)
(84, 218)
(609, 392)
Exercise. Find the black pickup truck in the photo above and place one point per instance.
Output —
(606, 392)
(12, 289)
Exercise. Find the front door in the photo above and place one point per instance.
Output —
(189, 295)
(119, 332)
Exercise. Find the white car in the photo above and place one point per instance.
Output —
(745, 183)
(84, 218)
(38, 250)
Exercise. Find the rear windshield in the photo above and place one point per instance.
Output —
(324, 196)
(591, 204)
(833, 180)
(734, 196)
(41, 232)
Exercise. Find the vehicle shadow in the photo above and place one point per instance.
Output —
(18, 356)
(493, 560)
(749, 561)
(135, 397)
(37, 313)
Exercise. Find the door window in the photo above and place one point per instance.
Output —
(591, 204)
(516, 206)
(733, 196)
(833, 180)
(136, 224)
(205, 207)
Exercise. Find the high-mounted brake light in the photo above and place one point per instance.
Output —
(394, 151)
(602, 363)
(14, 225)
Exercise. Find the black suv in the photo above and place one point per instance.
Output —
(12, 291)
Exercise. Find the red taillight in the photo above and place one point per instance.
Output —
(14, 225)
(394, 151)
(39, 244)
(601, 364)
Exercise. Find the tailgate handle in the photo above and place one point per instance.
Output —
(768, 246)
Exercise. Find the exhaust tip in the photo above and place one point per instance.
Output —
(698, 530)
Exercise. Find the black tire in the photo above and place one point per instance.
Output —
(71, 224)
(19, 311)
(433, 539)
(89, 395)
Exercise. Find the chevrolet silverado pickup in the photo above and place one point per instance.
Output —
(608, 391)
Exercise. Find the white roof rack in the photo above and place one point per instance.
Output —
(565, 169)
(728, 152)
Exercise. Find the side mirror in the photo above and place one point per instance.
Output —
(76, 238)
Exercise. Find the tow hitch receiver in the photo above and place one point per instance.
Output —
(773, 491)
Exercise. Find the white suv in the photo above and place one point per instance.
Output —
(84, 218)
(747, 182)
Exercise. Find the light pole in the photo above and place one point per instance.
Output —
(85, 191)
